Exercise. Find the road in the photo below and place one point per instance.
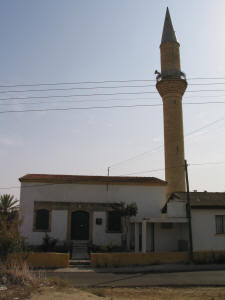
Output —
(197, 278)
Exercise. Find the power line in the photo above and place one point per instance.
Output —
(98, 94)
(145, 171)
(118, 99)
(97, 82)
(205, 78)
(77, 108)
(205, 126)
(97, 87)
(208, 163)
(79, 88)
(197, 91)
(133, 157)
(103, 100)
(82, 108)
(208, 83)
(79, 101)
(162, 169)
(161, 146)
(76, 83)
(76, 95)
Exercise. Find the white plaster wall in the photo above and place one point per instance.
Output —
(166, 240)
(59, 225)
(149, 199)
(204, 230)
(100, 235)
(176, 208)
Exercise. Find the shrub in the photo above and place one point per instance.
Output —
(17, 272)
(10, 239)
(48, 244)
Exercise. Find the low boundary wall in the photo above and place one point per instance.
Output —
(138, 259)
(41, 259)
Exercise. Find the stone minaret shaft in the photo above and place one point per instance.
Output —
(171, 85)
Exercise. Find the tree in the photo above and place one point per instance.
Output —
(126, 211)
(7, 204)
(10, 239)
(8, 208)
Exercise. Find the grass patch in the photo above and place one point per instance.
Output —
(19, 273)
(19, 280)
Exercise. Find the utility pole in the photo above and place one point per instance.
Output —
(188, 209)
(108, 170)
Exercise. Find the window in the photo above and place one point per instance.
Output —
(114, 221)
(42, 220)
(220, 224)
(98, 221)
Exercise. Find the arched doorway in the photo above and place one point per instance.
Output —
(79, 225)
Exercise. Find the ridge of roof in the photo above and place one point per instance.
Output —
(51, 178)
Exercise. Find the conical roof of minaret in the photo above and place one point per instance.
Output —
(168, 31)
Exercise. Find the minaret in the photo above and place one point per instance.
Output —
(171, 85)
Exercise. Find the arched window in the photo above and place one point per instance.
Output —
(42, 220)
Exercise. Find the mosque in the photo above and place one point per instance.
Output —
(80, 209)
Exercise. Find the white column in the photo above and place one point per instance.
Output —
(136, 237)
(144, 236)
(128, 236)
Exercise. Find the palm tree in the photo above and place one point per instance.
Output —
(7, 204)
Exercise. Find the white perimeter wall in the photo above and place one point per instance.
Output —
(149, 199)
(167, 239)
(204, 230)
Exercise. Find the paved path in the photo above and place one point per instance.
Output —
(197, 278)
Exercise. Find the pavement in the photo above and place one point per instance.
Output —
(172, 275)
(175, 279)
(165, 268)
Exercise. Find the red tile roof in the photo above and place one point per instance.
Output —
(84, 179)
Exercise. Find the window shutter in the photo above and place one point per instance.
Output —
(220, 224)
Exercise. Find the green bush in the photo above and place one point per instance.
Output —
(10, 239)
(48, 244)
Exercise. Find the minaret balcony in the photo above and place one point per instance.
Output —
(173, 74)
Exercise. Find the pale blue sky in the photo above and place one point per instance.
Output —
(95, 40)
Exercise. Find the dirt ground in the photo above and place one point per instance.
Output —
(69, 293)
(154, 293)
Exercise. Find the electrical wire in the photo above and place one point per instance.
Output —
(98, 87)
(161, 146)
(98, 82)
(97, 94)
(83, 108)
(102, 100)
(145, 171)
(162, 169)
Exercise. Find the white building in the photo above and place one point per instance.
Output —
(81, 208)
(208, 218)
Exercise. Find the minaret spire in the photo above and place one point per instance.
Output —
(171, 85)
(168, 34)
